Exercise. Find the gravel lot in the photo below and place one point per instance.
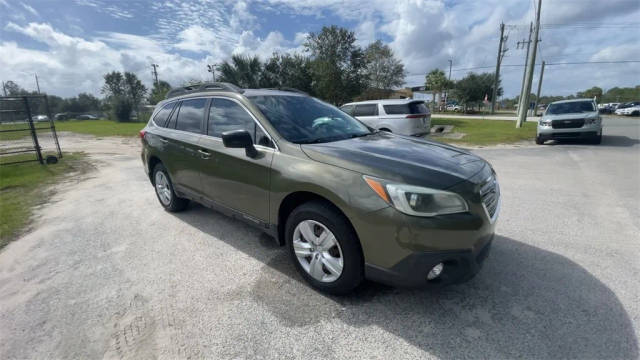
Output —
(105, 272)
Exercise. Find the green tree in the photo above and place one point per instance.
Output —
(123, 93)
(473, 88)
(243, 71)
(13, 89)
(285, 70)
(383, 69)
(591, 93)
(436, 81)
(159, 92)
(337, 64)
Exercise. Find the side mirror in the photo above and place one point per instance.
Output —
(239, 139)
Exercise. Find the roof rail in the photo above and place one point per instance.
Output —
(285, 88)
(202, 87)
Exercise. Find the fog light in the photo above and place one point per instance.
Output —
(435, 271)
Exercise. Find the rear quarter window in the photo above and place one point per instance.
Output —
(163, 115)
(402, 109)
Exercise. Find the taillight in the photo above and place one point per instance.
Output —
(142, 132)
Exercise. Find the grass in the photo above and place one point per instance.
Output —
(487, 132)
(22, 187)
(99, 128)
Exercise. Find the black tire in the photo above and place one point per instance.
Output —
(175, 204)
(539, 140)
(597, 139)
(353, 264)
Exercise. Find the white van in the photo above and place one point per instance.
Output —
(400, 116)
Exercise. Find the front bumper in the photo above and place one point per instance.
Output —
(400, 250)
(459, 266)
(584, 132)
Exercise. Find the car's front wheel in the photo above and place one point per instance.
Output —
(164, 190)
(539, 140)
(324, 248)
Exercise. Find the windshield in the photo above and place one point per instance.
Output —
(305, 120)
(571, 107)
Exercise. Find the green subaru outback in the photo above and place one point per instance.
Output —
(348, 202)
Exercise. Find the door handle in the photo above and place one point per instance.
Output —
(204, 154)
(163, 140)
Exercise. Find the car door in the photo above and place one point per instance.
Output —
(187, 126)
(231, 178)
(368, 114)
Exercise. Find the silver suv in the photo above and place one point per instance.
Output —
(570, 119)
(399, 116)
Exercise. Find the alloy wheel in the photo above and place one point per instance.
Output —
(163, 189)
(318, 251)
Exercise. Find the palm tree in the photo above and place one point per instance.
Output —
(243, 71)
(436, 81)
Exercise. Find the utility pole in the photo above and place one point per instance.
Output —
(446, 93)
(531, 62)
(535, 106)
(212, 70)
(526, 58)
(155, 73)
(37, 84)
(498, 62)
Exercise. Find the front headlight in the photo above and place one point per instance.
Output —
(416, 200)
(591, 120)
(544, 122)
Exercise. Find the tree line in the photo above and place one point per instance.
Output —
(615, 94)
(332, 67)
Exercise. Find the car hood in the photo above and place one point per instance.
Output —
(571, 116)
(398, 158)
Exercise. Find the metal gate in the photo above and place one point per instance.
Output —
(26, 116)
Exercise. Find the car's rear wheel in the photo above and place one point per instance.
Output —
(324, 248)
(164, 190)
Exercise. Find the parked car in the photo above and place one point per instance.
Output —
(349, 202)
(623, 109)
(630, 111)
(87, 117)
(61, 116)
(40, 118)
(570, 119)
(400, 116)
(454, 107)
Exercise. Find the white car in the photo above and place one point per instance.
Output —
(400, 116)
(453, 107)
(629, 111)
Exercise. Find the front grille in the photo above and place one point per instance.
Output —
(490, 193)
(567, 124)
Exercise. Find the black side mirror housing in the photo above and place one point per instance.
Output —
(239, 139)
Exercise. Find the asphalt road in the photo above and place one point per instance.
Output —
(105, 272)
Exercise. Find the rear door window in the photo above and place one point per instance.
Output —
(191, 115)
(366, 110)
(163, 115)
(348, 109)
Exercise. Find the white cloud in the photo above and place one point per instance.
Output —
(29, 9)
(424, 34)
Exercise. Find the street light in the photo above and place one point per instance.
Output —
(212, 70)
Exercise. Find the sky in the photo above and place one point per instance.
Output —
(71, 44)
